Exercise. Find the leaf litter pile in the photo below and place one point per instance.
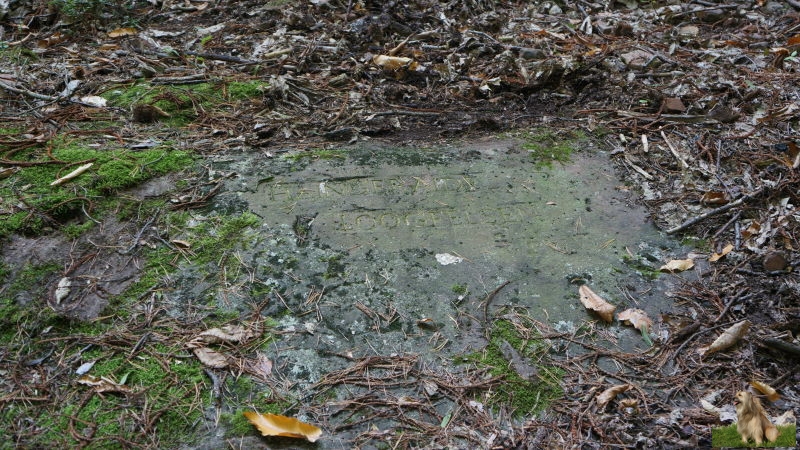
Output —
(697, 103)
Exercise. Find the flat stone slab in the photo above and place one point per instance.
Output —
(473, 216)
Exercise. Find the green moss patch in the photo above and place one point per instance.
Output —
(16, 318)
(160, 408)
(211, 246)
(524, 395)
(547, 147)
(185, 103)
(112, 170)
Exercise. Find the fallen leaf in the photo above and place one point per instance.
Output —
(639, 320)
(629, 405)
(677, 265)
(674, 104)
(606, 396)
(181, 244)
(55, 38)
(276, 425)
(394, 63)
(261, 366)
(94, 100)
(717, 256)
(120, 32)
(85, 367)
(636, 317)
(596, 303)
(103, 384)
(210, 358)
(764, 388)
(727, 339)
(714, 198)
(228, 333)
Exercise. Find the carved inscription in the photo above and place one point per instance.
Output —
(399, 186)
(373, 204)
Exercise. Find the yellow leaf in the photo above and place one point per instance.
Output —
(718, 256)
(766, 389)
(727, 339)
(637, 318)
(597, 304)
(276, 425)
(677, 265)
(120, 32)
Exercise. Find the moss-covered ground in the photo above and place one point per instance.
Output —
(163, 388)
(524, 396)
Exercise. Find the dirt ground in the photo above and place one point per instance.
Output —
(697, 103)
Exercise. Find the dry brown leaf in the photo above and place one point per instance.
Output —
(714, 198)
(606, 396)
(628, 406)
(180, 243)
(260, 366)
(210, 358)
(120, 32)
(394, 63)
(228, 333)
(103, 384)
(764, 388)
(55, 38)
(717, 256)
(637, 318)
(727, 339)
(597, 304)
(276, 425)
(677, 265)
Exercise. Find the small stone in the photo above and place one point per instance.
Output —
(723, 114)
(674, 104)
(148, 113)
(623, 29)
(636, 59)
(531, 53)
(688, 31)
(775, 261)
(711, 15)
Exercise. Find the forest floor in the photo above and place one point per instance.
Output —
(111, 112)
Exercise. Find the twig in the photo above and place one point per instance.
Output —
(727, 224)
(139, 235)
(715, 211)
(730, 303)
(28, 93)
(405, 113)
(675, 153)
(785, 347)
(488, 300)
